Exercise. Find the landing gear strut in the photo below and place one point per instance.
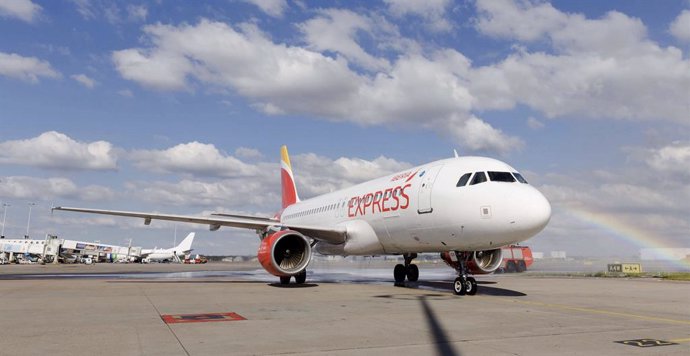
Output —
(408, 270)
(463, 284)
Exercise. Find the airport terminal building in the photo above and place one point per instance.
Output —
(55, 249)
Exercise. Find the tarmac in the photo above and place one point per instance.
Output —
(341, 310)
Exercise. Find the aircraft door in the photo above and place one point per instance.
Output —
(428, 177)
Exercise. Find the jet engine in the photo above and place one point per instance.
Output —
(477, 262)
(284, 253)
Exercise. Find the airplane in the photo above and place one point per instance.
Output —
(169, 254)
(465, 208)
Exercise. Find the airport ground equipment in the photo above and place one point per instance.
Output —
(516, 258)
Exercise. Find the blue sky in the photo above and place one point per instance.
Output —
(181, 107)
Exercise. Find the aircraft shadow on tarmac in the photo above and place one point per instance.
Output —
(444, 347)
(184, 282)
(293, 285)
(483, 290)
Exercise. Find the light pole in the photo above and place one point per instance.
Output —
(28, 222)
(4, 216)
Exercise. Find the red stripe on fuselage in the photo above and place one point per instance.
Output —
(411, 176)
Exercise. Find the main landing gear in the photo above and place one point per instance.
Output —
(408, 270)
(300, 278)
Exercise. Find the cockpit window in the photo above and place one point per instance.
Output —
(520, 178)
(463, 180)
(479, 177)
(501, 177)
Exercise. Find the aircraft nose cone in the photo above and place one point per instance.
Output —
(541, 212)
(536, 213)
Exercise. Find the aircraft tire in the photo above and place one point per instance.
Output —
(301, 277)
(285, 280)
(459, 286)
(471, 286)
(399, 273)
(412, 273)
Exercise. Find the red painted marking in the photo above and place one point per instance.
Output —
(200, 318)
(288, 187)
(411, 176)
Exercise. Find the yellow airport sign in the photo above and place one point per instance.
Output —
(631, 267)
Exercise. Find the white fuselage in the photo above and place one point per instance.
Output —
(162, 255)
(423, 210)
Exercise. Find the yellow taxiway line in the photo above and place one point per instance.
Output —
(600, 311)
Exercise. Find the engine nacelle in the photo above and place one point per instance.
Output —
(284, 253)
(477, 262)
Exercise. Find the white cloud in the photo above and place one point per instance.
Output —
(84, 80)
(520, 20)
(314, 175)
(274, 8)
(680, 27)
(477, 135)
(54, 150)
(31, 188)
(192, 158)
(336, 30)
(534, 124)
(232, 193)
(137, 12)
(24, 10)
(158, 70)
(430, 90)
(86, 9)
(671, 159)
(246, 152)
(601, 68)
(25, 68)
(433, 11)
(110, 11)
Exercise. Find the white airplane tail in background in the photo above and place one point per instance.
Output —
(186, 244)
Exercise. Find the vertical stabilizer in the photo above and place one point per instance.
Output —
(287, 179)
(186, 244)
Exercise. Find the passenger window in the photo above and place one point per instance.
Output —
(501, 177)
(463, 180)
(479, 177)
(520, 178)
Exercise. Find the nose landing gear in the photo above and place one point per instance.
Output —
(463, 284)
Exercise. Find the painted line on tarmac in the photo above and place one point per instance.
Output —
(680, 341)
(598, 311)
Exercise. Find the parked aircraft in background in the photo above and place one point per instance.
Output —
(465, 208)
(173, 254)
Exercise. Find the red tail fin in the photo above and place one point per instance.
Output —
(287, 179)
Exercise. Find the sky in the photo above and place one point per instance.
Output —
(182, 106)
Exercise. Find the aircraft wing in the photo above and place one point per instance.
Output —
(334, 235)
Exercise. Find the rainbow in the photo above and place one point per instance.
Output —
(623, 231)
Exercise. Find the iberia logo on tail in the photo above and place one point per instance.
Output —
(287, 179)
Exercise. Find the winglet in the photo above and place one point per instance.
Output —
(287, 179)
(456, 153)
